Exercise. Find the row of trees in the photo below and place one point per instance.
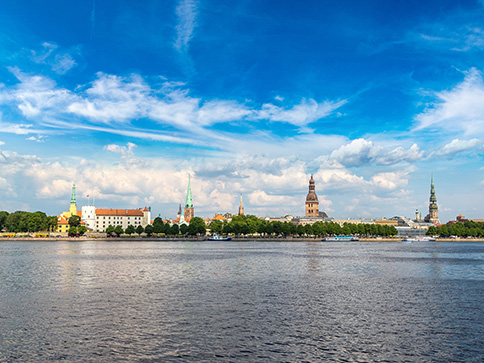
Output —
(21, 221)
(240, 225)
(467, 229)
(249, 224)
(196, 227)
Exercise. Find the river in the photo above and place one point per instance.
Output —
(241, 302)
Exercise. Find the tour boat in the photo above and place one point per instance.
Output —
(340, 239)
(216, 237)
(419, 239)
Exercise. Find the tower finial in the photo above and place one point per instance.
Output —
(73, 194)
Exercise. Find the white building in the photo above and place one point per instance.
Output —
(89, 216)
(100, 219)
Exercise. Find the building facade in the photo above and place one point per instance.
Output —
(312, 203)
(121, 217)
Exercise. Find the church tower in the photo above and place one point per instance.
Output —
(241, 207)
(73, 206)
(312, 203)
(189, 212)
(433, 215)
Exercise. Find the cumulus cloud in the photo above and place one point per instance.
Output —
(457, 146)
(361, 152)
(2, 143)
(460, 109)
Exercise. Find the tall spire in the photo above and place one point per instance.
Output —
(73, 195)
(189, 212)
(189, 203)
(241, 207)
(433, 215)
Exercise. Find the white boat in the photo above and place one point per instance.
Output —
(340, 239)
(419, 239)
(216, 237)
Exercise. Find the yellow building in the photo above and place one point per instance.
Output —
(63, 219)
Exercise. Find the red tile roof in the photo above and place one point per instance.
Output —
(119, 212)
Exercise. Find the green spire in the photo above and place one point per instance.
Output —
(189, 203)
(433, 198)
(73, 195)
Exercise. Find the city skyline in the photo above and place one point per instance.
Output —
(248, 98)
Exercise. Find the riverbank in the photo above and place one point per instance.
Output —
(202, 239)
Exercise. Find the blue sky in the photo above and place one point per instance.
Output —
(127, 98)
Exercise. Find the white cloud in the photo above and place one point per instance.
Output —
(186, 12)
(457, 146)
(302, 114)
(114, 104)
(59, 61)
(40, 138)
(123, 150)
(460, 109)
(361, 152)
(2, 143)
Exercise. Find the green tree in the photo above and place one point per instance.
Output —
(72, 230)
(158, 225)
(139, 230)
(216, 227)
(149, 230)
(74, 221)
(51, 223)
(308, 229)
(3, 219)
(82, 229)
(183, 229)
(35, 221)
(300, 230)
(110, 230)
(197, 226)
(174, 230)
(129, 230)
(12, 223)
(118, 230)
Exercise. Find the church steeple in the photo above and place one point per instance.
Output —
(189, 212)
(189, 203)
(433, 215)
(241, 207)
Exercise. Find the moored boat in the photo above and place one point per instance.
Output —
(216, 237)
(340, 239)
(419, 239)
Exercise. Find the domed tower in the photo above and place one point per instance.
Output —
(312, 203)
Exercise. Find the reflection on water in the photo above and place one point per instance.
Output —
(241, 301)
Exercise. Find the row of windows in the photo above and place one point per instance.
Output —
(136, 218)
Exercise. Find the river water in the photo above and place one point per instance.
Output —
(241, 302)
